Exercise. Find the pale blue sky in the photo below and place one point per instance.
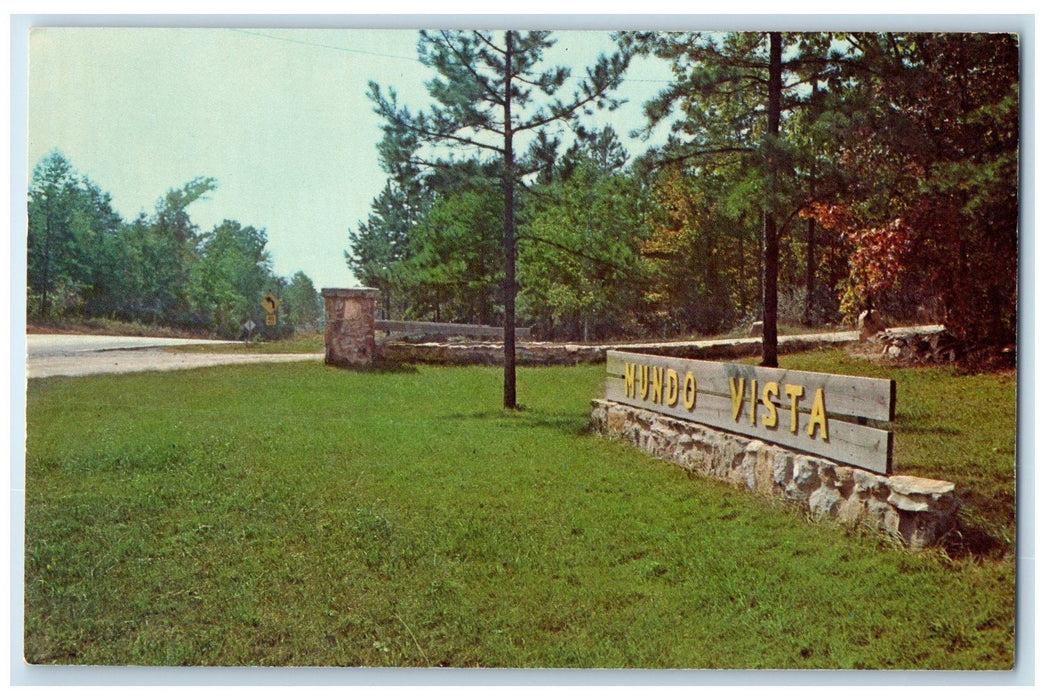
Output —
(278, 116)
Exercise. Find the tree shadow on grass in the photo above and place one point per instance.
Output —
(970, 539)
(560, 421)
(380, 367)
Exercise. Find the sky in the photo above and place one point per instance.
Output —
(279, 117)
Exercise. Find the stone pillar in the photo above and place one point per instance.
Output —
(350, 326)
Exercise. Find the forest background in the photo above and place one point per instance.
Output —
(891, 181)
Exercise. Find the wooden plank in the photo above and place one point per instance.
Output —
(848, 443)
(446, 329)
(845, 396)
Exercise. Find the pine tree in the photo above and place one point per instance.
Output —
(490, 91)
(71, 235)
(731, 105)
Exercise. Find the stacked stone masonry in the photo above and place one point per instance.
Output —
(915, 510)
(350, 326)
(489, 353)
(547, 353)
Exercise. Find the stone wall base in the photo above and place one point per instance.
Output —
(914, 510)
(489, 353)
(538, 354)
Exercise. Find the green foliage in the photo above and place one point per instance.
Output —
(231, 276)
(936, 155)
(181, 239)
(455, 266)
(446, 261)
(148, 285)
(893, 182)
(379, 246)
(85, 262)
(578, 265)
(704, 265)
(898, 150)
(753, 158)
(71, 259)
(302, 305)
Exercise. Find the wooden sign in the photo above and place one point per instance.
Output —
(823, 414)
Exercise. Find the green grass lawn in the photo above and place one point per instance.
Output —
(304, 515)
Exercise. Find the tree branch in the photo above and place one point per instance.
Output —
(489, 43)
(571, 251)
(437, 135)
(697, 154)
(490, 92)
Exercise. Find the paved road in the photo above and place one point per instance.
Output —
(48, 345)
(78, 355)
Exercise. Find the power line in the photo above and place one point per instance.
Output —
(383, 55)
(323, 46)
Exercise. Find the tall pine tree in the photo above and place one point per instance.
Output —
(730, 104)
(491, 90)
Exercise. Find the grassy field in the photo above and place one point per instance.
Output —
(304, 515)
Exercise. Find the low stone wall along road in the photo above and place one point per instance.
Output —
(80, 355)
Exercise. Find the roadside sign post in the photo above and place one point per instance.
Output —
(249, 327)
(270, 303)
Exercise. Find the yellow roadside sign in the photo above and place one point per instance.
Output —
(270, 303)
(270, 319)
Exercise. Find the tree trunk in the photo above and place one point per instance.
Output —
(47, 261)
(509, 233)
(807, 311)
(771, 241)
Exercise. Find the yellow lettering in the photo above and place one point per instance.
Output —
(736, 393)
(629, 379)
(754, 399)
(818, 416)
(658, 385)
(689, 391)
(794, 392)
(672, 396)
(771, 389)
(644, 380)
